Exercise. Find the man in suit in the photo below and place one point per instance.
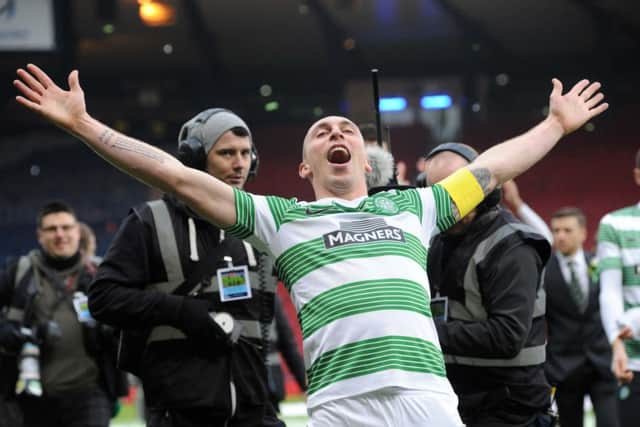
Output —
(578, 353)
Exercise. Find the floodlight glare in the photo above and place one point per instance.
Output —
(271, 106)
(435, 102)
(396, 103)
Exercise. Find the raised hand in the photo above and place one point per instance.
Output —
(40, 94)
(577, 106)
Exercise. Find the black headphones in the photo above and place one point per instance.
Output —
(492, 199)
(191, 150)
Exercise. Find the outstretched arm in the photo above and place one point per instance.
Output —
(207, 195)
(567, 113)
(469, 185)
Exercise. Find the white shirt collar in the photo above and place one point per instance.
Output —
(349, 203)
(580, 267)
(577, 258)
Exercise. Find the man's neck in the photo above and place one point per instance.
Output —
(345, 194)
(58, 263)
(330, 195)
(571, 254)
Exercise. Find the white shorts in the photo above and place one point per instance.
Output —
(389, 408)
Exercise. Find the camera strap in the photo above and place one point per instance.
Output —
(24, 315)
(63, 289)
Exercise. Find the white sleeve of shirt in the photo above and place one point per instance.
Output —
(429, 212)
(611, 302)
(265, 226)
(531, 218)
(631, 319)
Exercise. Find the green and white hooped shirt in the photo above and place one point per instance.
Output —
(356, 274)
(619, 249)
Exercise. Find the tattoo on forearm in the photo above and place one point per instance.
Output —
(483, 176)
(105, 136)
(122, 144)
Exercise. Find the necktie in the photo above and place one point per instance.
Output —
(577, 292)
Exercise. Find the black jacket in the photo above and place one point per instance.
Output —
(99, 339)
(575, 338)
(282, 341)
(508, 278)
(195, 372)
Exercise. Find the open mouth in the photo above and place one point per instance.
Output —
(338, 154)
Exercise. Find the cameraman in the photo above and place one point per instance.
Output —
(72, 380)
(161, 283)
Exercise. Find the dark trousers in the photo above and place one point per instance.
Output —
(602, 391)
(90, 408)
(540, 420)
(184, 417)
(10, 412)
(543, 420)
(629, 402)
(204, 417)
(495, 408)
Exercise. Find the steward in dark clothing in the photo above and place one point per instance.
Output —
(40, 297)
(494, 339)
(192, 373)
(489, 267)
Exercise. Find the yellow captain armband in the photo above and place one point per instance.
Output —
(464, 190)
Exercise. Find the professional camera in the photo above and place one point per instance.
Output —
(42, 333)
(29, 358)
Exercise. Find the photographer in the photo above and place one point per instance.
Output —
(57, 361)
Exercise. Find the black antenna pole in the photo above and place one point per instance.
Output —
(388, 129)
(376, 103)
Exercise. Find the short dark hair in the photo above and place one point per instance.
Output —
(638, 159)
(571, 211)
(369, 131)
(53, 207)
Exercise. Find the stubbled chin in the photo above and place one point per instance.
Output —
(234, 183)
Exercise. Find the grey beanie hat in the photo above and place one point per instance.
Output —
(209, 125)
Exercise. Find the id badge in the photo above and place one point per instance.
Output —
(439, 309)
(81, 305)
(233, 283)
